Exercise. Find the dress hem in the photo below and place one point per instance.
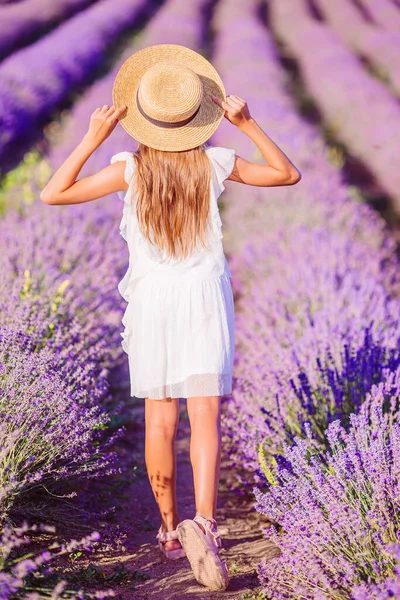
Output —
(201, 385)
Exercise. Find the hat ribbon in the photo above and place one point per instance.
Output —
(165, 124)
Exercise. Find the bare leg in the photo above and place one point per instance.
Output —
(162, 419)
(205, 451)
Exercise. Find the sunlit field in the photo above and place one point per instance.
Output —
(310, 481)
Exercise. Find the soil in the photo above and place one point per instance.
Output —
(244, 545)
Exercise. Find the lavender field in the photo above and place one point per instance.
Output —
(310, 482)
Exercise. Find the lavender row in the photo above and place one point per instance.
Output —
(381, 48)
(67, 58)
(20, 22)
(317, 288)
(59, 296)
(344, 93)
(382, 12)
(275, 235)
(309, 203)
(278, 224)
(59, 336)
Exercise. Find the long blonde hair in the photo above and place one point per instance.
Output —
(172, 198)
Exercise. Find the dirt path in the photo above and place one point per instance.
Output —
(137, 514)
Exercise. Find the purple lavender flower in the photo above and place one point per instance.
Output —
(339, 512)
(15, 571)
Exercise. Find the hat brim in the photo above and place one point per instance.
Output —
(187, 136)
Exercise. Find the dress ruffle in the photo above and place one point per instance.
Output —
(222, 161)
(129, 170)
(125, 195)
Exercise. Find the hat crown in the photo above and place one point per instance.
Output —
(169, 92)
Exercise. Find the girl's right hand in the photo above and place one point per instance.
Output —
(102, 123)
(236, 109)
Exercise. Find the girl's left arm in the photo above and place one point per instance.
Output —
(63, 188)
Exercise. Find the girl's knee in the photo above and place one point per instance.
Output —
(162, 417)
(204, 407)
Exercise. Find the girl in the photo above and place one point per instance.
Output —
(179, 321)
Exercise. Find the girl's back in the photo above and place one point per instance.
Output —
(203, 263)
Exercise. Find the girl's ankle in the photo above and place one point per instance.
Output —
(170, 525)
(206, 516)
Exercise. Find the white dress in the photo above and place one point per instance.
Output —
(179, 322)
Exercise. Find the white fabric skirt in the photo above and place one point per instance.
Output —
(179, 337)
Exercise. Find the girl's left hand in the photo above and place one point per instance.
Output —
(102, 123)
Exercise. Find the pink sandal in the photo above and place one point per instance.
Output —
(166, 536)
(202, 552)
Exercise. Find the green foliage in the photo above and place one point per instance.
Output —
(255, 595)
(23, 184)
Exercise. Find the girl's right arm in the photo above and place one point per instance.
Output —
(279, 170)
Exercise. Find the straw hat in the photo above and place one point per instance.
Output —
(167, 89)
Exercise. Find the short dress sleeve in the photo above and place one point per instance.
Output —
(129, 170)
(223, 161)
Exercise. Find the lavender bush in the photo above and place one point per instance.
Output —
(60, 330)
(25, 577)
(299, 339)
(338, 512)
(78, 278)
(20, 22)
(50, 429)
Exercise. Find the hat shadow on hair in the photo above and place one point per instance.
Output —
(210, 88)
